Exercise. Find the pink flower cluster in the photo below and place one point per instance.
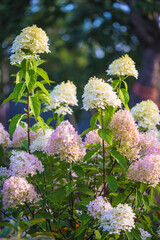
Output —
(146, 170)
(126, 132)
(92, 138)
(4, 137)
(98, 207)
(16, 191)
(21, 134)
(66, 142)
(23, 164)
(149, 143)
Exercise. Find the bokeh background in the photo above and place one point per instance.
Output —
(85, 37)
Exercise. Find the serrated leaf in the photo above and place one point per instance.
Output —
(8, 99)
(32, 79)
(19, 76)
(86, 131)
(115, 84)
(18, 91)
(58, 194)
(43, 74)
(35, 106)
(106, 135)
(78, 170)
(90, 154)
(25, 144)
(27, 78)
(24, 65)
(138, 198)
(79, 230)
(6, 232)
(136, 234)
(41, 86)
(14, 123)
(94, 120)
(39, 62)
(119, 199)
(86, 201)
(70, 188)
(124, 96)
(104, 235)
(41, 96)
(119, 158)
(84, 189)
(129, 235)
(42, 123)
(112, 183)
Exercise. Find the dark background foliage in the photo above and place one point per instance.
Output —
(85, 37)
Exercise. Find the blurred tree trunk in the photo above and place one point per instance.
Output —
(146, 28)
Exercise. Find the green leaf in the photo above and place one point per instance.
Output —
(119, 158)
(104, 235)
(86, 131)
(158, 189)
(129, 235)
(24, 65)
(80, 229)
(86, 201)
(42, 123)
(38, 220)
(106, 135)
(90, 154)
(70, 188)
(112, 183)
(19, 76)
(115, 84)
(145, 201)
(58, 194)
(9, 98)
(18, 91)
(97, 235)
(136, 234)
(126, 86)
(32, 79)
(35, 106)
(119, 199)
(25, 144)
(78, 170)
(41, 96)
(84, 189)
(41, 86)
(14, 123)
(124, 96)
(27, 78)
(138, 198)
(6, 232)
(39, 62)
(94, 120)
(43, 74)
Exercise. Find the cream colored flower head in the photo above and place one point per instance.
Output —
(99, 94)
(33, 39)
(62, 97)
(123, 66)
(146, 114)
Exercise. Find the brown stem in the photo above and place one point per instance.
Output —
(129, 194)
(104, 163)
(71, 196)
(28, 113)
(44, 203)
(29, 210)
